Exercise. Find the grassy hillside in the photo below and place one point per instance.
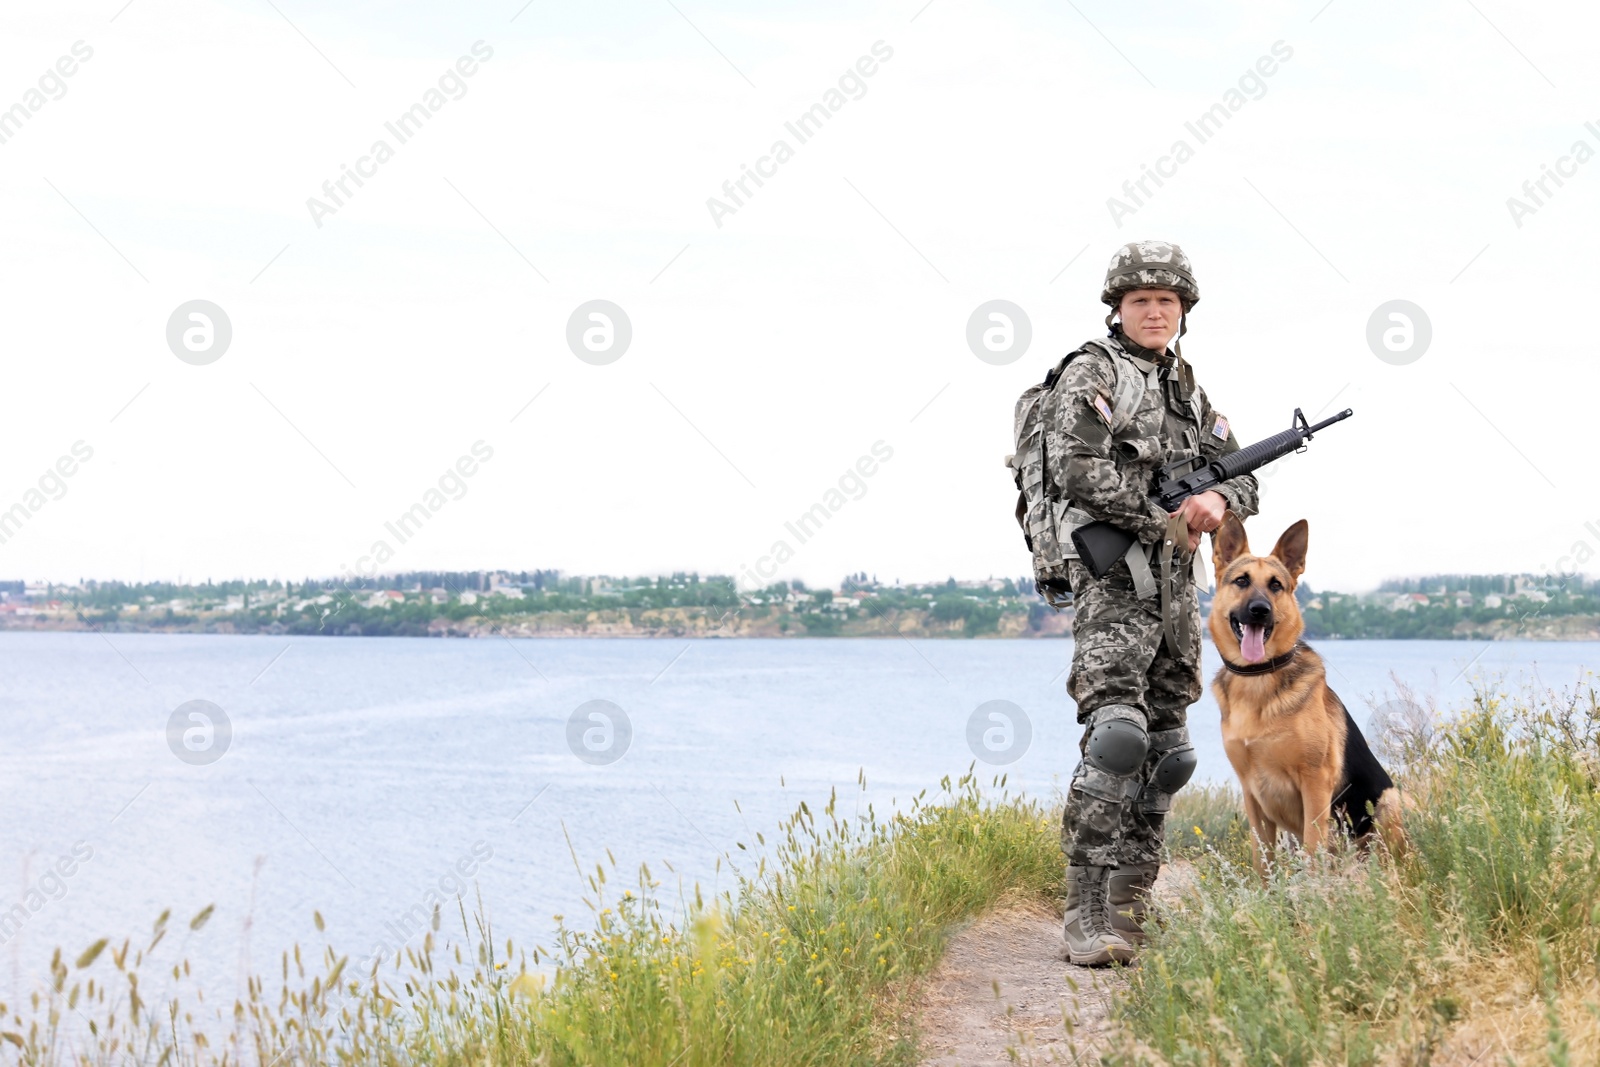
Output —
(808, 964)
(1480, 944)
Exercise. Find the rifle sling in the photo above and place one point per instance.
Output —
(1144, 582)
(1175, 624)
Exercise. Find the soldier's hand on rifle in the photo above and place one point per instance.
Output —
(1203, 513)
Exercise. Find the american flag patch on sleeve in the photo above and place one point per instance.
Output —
(1219, 430)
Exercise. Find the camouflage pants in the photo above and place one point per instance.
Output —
(1118, 657)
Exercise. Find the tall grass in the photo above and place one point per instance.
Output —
(806, 964)
(1208, 818)
(1480, 943)
(1479, 940)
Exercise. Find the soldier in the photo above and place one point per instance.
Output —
(1124, 407)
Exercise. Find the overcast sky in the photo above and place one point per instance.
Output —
(773, 345)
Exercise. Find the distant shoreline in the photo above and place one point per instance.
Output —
(1575, 629)
(547, 604)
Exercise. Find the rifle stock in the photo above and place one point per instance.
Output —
(1100, 545)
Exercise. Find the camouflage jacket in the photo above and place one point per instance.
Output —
(1110, 476)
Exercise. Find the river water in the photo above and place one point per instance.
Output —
(356, 776)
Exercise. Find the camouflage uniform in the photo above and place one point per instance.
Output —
(1119, 655)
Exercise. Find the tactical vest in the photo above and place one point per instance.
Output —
(1047, 520)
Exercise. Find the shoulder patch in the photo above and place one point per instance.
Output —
(1219, 429)
(1103, 407)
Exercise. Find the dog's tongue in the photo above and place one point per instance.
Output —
(1253, 644)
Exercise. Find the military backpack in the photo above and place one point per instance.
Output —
(1047, 521)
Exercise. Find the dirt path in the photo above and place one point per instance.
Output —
(1003, 995)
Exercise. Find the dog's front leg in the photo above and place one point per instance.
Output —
(1263, 834)
(1316, 799)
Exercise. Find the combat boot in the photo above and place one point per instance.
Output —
(1129, 898)
(1087, 935)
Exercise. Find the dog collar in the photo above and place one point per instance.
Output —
(1265, 666)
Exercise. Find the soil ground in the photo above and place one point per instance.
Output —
(1003, 995)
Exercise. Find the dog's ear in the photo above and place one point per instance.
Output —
(1228, 543)
(1291, 548)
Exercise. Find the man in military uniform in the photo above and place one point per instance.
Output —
(1136, 656)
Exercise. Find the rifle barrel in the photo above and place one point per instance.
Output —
(1253, 457)
(1345, 414)
(1174, 490)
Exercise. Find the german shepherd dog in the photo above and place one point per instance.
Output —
(1300, 758)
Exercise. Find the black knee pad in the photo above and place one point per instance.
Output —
(1118, 741)
(1176, 760)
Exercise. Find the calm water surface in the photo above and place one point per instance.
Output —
(364, 773)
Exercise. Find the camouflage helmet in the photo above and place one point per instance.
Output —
(1150, 265)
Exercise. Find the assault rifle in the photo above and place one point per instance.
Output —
(1101, 544)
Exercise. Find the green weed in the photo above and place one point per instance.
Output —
(807, 963)
(1208, 818)
(1480, 936)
